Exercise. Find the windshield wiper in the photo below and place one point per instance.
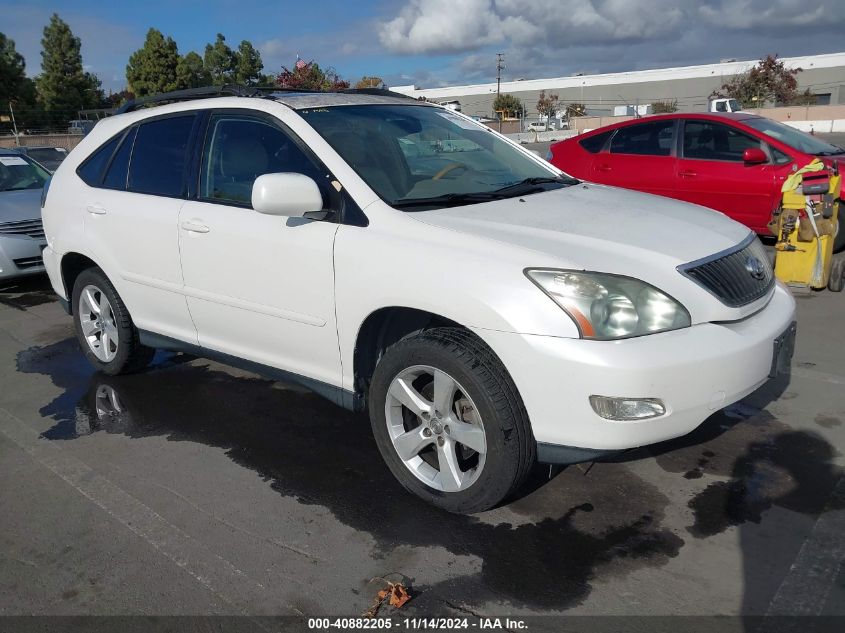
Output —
(531, 184)
(449, 199)
(838, 150)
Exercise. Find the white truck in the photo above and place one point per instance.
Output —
(724, 105)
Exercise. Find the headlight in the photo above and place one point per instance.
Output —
(610, 306)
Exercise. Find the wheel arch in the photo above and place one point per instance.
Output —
(71, 266)
(381, 329)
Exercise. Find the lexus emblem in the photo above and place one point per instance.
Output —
(755, 268)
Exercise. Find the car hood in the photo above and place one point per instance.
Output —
(605, 229)
(20, 205)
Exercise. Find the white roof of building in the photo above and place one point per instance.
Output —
(831, 60)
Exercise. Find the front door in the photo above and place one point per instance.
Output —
(259, 287)
(712, 173)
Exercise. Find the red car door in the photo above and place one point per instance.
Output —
(640, 156)
(711, 172)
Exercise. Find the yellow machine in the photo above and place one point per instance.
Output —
(805, 225)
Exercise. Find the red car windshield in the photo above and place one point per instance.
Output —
(796, 139)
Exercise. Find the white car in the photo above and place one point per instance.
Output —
(489, 311)
(540, 126)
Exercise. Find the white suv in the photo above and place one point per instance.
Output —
(396, 256)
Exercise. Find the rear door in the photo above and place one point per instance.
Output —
(132, 209)
(711, 173)
(640, 156)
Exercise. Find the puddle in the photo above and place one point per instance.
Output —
(570, 532)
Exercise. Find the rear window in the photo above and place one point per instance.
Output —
(117, 170)
(159, 155)
(595, 143)
(91, 171)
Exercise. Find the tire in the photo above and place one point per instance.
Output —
(837, 275)
(484, 403)
(111, 344)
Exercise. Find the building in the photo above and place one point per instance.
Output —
(824, 75)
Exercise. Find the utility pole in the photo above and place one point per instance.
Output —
(500, 64)
(14, 125)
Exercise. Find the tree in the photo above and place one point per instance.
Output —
(220, 62)
(370, 82)
(152, 68)
(547, 106)
(12, 71)
(768, 81)
(665, 107)
(309, 76)
(63, 87)
(508, 105)
(248, 65)
(191, 73)
(117, 99)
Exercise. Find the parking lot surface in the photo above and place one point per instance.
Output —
(194, 488)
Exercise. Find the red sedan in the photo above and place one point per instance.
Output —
(734, 162)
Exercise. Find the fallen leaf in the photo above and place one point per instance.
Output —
(395, 594)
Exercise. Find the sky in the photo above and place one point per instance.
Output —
(432, 43)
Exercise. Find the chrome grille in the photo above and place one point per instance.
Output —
(728, 275)
(31, 228)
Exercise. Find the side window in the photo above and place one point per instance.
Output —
(651, 139)
(158, 156)
(239, 149)
(118, 170)
(595, 143)
(706, 140)
(780, 157)
(91, 171)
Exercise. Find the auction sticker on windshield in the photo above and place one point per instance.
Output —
(8, 161)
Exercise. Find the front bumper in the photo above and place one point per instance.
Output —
(695, 372)
(20, 256)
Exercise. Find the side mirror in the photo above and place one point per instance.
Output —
(291, 195)
(754, 156)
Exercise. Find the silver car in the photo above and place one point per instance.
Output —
(21, 232)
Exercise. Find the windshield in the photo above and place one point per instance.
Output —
(796, 139)
(19, 172)
(409, 154)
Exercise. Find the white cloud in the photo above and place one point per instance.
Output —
(444, 26)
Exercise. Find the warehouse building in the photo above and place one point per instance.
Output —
(824, 75)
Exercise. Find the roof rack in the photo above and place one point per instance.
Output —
(233, 90)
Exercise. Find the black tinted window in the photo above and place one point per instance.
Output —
(239, 149)
(653, 139)
(91, 171)
(594, 144)
(705, 140)
(158, 158)
(117, 171)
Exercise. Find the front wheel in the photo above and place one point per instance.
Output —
(104, 327)
(449, 422)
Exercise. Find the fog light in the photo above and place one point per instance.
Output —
(627, 408)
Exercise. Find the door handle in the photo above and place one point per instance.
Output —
(194, 227)
(95, 209)
(603, 168)
(687, 174)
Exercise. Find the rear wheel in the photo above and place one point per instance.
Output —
(839, 238)
(449, 422)
(104, 327)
